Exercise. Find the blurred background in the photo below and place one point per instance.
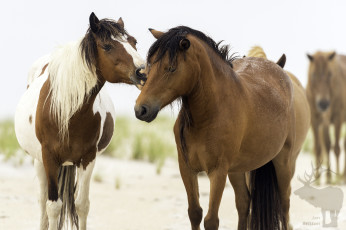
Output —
(31, 29)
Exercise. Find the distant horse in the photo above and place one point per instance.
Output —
(66, 118)
(237, 115)
(326, 92)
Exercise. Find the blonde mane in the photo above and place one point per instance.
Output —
(257, 51)
(71, 81)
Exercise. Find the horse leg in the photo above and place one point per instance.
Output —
(242, 198)
(337, 129)
(82, 202)
(282, 163)
(327, 144)
(217, 184)
(41, 174)
(54, 204)
(345, 160)
(190, 181)
(317, 148)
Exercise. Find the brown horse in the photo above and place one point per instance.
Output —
(66, 118)
(237, 115)
(326, 92)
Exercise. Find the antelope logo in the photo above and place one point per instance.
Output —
(328, 199)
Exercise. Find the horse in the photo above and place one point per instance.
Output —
(237, 115)
(66, 118)
(326, 92)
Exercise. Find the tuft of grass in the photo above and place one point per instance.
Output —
(117, 183)
(308, 145)
(98, 178)
(8, 142)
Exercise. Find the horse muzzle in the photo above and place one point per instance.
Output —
(139, 78)
(146, 113)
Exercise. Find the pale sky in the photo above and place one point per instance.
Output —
(30, 29)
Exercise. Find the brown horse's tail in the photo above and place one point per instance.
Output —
(66, 180)
(265, 210)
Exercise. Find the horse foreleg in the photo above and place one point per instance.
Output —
(337, 129)
(217, 184)
(82, 202)
(242, 198)
(190, 181)
(43, 196)
(54, 204)
(327, 144)
(345, 161)
(317, 147)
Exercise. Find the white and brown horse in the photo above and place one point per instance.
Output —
(65, 118)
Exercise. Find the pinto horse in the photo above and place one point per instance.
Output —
(237, 115)
(66, 118)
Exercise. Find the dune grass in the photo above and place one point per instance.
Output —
(8, 142)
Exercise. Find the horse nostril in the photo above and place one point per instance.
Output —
(141, 76)
(141, 111)
(323, 105)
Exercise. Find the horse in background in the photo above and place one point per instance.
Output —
(237, 115)
(326, 93)
(66, 118)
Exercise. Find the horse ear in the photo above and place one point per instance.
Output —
(311, 58)
(184, 44)
(157, 34)
(120, 22)
(94, 23)
(331, 56)
(282, 61)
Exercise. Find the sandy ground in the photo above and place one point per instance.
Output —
(144, 201)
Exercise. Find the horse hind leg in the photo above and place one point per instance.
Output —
(242, 198)
(41, 174)
(82, 202)
(283, 172)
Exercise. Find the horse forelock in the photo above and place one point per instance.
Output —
(169, 42)
(71, 83)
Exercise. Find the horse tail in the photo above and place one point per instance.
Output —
(265, 208)
(257, 51)
(66, 181)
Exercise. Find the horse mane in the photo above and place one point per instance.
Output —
(73, 74)
(169, 41)
(257, 51)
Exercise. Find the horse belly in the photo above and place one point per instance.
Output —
(104, 106)
(25, 119)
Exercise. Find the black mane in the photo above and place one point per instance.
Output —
(169, 41)
(107, 28)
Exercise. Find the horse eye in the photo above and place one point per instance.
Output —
(171, 69)
(107, 47)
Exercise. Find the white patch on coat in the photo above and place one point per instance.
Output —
(53, 212)
(103, 105)
(137, 59)
(25, 131)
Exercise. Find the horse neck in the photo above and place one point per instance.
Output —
(215, 77)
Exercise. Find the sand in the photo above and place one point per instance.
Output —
(143, 200)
